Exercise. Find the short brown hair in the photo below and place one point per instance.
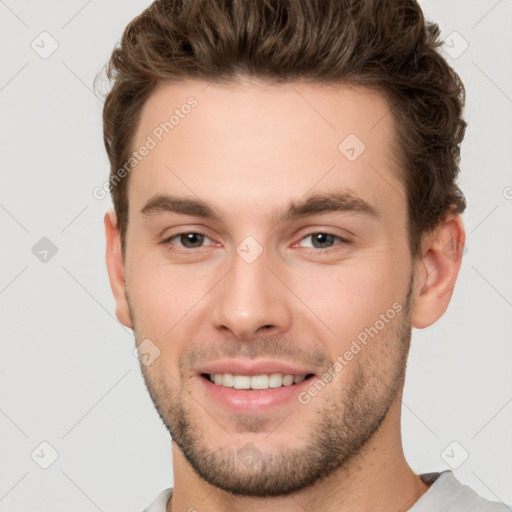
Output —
(383, 44)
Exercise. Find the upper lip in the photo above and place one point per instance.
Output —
(251, 367)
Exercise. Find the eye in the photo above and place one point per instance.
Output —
(321, 241)
(187, 240)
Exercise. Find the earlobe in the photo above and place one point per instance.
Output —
(437, 271)
(115, 268)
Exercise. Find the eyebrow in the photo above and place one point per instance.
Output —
(345, 201)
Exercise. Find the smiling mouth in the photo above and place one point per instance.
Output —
(251, 382)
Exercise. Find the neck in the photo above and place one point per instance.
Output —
(376, 478)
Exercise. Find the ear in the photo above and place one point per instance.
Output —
(115, 268)
(437, 271)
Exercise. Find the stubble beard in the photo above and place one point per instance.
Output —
(336, 434)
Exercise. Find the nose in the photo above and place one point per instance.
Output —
(251, 300)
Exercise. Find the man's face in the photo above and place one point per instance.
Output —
(261, 290)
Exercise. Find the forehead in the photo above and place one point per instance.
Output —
(251, 144)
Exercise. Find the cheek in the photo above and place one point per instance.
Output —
(162, 294)
(350, 297)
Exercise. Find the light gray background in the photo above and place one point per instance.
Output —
(68, 373)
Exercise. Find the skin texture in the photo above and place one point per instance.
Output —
(248, 150)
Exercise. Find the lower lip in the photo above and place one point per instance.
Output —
(253, 401)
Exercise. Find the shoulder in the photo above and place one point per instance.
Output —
(447, 494)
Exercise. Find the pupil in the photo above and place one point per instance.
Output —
(322, 239)
(192, 239)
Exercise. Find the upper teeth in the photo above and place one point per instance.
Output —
(274, 380)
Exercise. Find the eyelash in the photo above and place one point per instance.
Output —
(171, 246)
(314, 250)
